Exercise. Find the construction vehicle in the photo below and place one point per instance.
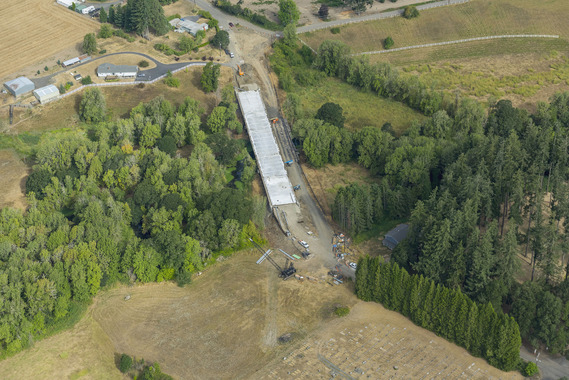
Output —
(239, 71)
(274, 120)
(289, 162)
(297, 187)
(285, 273)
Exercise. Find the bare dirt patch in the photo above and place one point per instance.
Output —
(376, 343)
(13, 173)
(33, 31)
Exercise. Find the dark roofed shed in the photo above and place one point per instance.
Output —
(396, 236)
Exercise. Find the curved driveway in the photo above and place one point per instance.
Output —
(159, 70)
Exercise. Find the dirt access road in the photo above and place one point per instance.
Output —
(250, 48)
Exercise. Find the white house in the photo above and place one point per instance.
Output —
(124, 71)
(185, 25)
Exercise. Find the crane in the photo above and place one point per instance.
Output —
(285, 273)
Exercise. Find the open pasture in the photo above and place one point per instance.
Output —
(477, 18)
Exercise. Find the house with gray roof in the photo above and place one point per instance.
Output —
(187, 25)
(124, 71)
(395, 236)
(19, 86)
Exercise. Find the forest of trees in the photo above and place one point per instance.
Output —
(117, 203)
(140, 16)
(478, 186)
(447, 312)
(477, 191)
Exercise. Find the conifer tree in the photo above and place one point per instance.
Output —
(362, 281)
(471, 340)
(427, 306)
(414, 298)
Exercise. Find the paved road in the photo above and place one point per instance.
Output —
(224, 19)
(160, 69)
(551, 368)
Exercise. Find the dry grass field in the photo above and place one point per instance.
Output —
(33, 31)
(225, 324)
(480, 69)
(13, 173)
(374, 343)
(474, 19)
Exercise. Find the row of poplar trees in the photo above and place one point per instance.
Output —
(447, 312)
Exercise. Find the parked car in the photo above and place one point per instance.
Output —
(303, 243)
(231, 25)
(353, 265)
(232, 55)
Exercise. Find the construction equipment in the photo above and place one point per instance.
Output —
(274, 120)
(285, 273)
(240, 72)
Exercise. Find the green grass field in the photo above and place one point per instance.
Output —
(474, 19)
(361, 109)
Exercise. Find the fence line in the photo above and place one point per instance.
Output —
(377, 16)
(127, 83)
(458, 42)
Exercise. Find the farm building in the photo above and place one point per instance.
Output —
(80, 59)
(46, 94)
(67, 3)
(187, 25)
(108, 69)
(395, 236)
(19, 86)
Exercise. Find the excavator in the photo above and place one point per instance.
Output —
(240, 72)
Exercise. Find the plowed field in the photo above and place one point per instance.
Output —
(32, 31)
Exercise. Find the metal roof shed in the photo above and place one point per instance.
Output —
(19, 86)
(396, 236)
(46, 94)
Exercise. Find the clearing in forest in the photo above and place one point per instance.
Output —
(361, 109)
(225, 324)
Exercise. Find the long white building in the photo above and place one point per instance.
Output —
(123, 71)
(275, 178)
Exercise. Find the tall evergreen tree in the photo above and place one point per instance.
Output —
(362, 281)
